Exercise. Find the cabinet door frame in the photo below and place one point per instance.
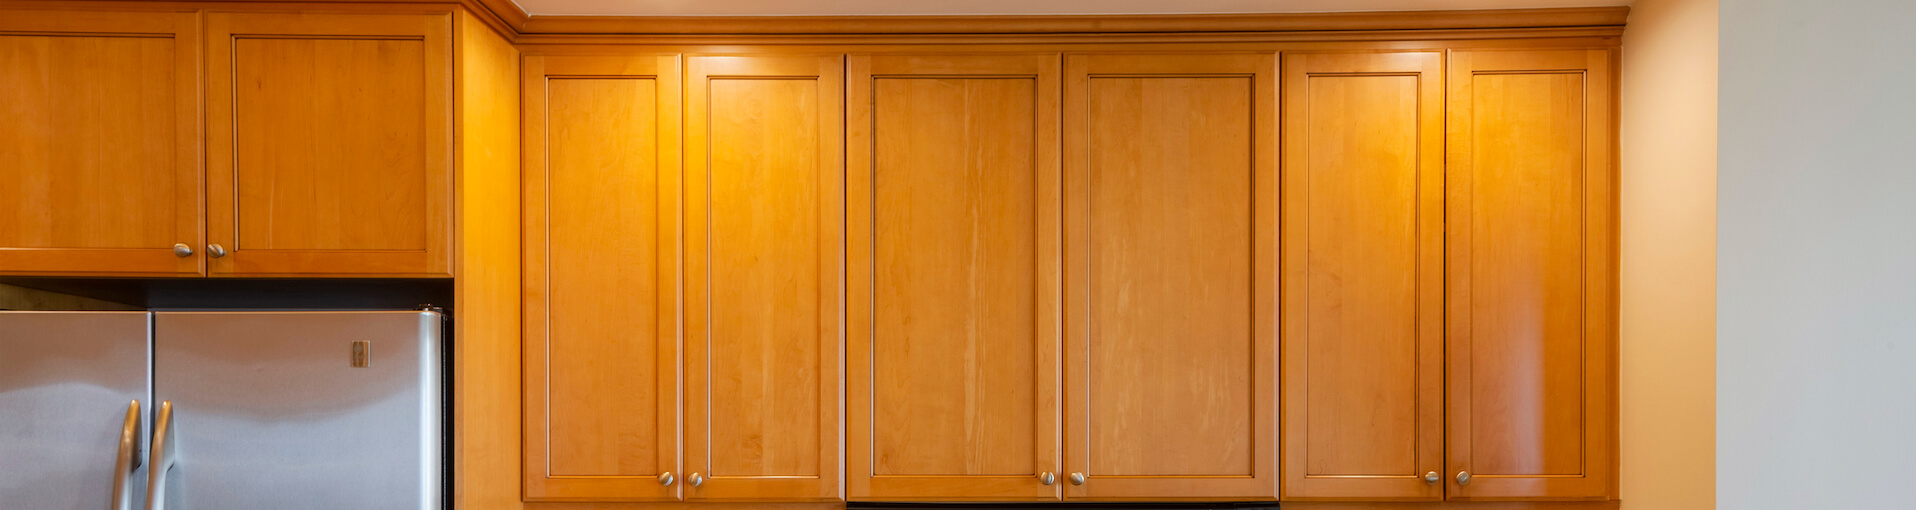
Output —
(222, 218)
(1598, 480)
(1298, 482)
(828, 72)
(539, 485)
(188, 208)
(862, 480)
(1261, 69)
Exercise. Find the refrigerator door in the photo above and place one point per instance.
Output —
(67, 380)
(298, 410)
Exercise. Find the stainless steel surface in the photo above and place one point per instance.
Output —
(181, 250)
(1047, 478)
(696, 480)
(270, 413)
(128, 459)
(166, 455)
(65, 381)
(1432, 478)
(215, 250)
(1463, 478)
(1077, 479)
(665, 478)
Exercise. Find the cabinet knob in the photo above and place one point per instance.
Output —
(696, 480)
(215, 250)
(181, 250)
(1432, 478)
(1463, 478)
(1077, 479)
(665, 478)
(1047, 478)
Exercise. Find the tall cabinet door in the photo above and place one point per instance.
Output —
(1170, 276)
(100, 144)
(1363, 275)
(764, 230)
(953, 273)
(601, 212)
(328, 144)
(1532, 285)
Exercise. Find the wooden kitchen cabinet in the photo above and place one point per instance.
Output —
(601, 254)
(1170, 276)
(328, 144)
(764, 252)
(1531, 304)
(1363, 276)
(953, 272)
(100, 147)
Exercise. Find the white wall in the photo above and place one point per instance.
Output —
(1817, 289)
(1668, 328)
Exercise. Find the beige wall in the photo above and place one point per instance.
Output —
(1669, 255)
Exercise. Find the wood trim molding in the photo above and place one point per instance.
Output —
(1075, 24)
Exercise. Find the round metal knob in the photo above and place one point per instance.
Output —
(665, 478)
(215, 250)
(181, 250)
(1463, 478)
(1432, 478)
(1077, 479)
(696, 480)
(1047, 478)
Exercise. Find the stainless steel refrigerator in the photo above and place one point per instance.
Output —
(221, 410)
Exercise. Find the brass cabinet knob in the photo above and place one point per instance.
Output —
(1463, 478)
(1432, 478)
(665, 478)
(181, 250)
(1047, 478)
(1077, 479)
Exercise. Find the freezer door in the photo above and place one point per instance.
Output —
(66, 382)
(299, 410)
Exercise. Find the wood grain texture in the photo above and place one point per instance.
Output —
(101, 143)
(954, 257)
(764, 255)
(329, 144)
(1532, 308)
(1077, 24)
(1171, 220)
(486, 420)
(601, 252)
(1363, 241)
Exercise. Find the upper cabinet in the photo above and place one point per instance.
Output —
(328, 144)
(100, 147)
(1531, 304)
(1170, 276)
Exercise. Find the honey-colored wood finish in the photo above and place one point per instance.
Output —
(1074, 23)
(1170, 276)
(601, 215)
(100, 146)
(1532, 277)
(1363, 275)
(328, 143)
(953, 274)
(764, 231)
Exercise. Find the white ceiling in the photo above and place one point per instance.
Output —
(922, 7)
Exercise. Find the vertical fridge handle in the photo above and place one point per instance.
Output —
(165, 456)
(128, 460)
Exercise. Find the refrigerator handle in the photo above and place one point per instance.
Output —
(165, 456)
(129, 459)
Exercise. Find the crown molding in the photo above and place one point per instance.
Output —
(1580, 17)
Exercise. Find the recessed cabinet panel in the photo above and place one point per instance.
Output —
(99, 149)
(1363, 373)
(764, 250)
(954, 186)
(1532, 306)
(601, 335)
(1170, 171)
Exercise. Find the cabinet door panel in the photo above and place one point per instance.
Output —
(100, 143)
(328, 144)
(601, 256)
(763, 256)
(1363, 235)
(954, 260)
(1532, 289)
(1171, 211)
